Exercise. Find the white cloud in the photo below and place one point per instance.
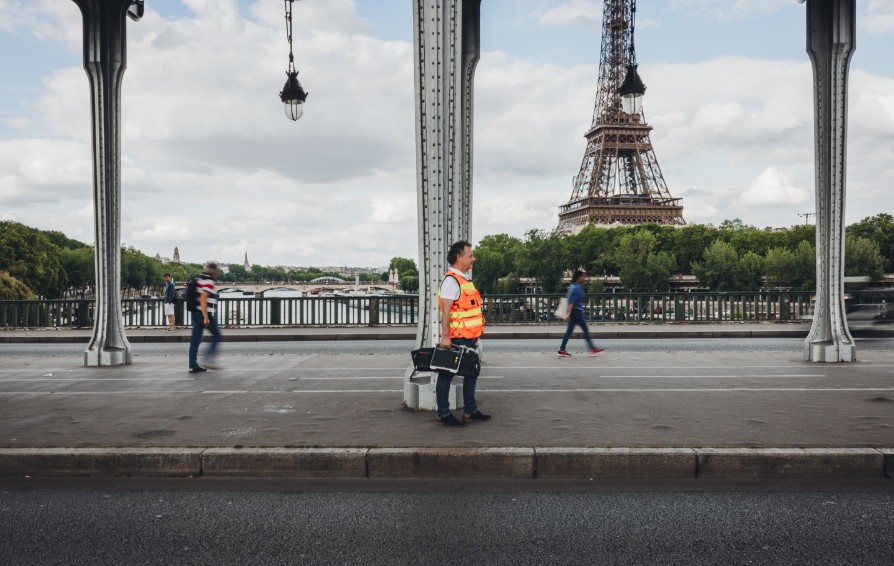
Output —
(729, 10)
(772, 188)
(583, 13)
(881, 16)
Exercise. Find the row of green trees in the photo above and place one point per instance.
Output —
(731, 257)
(48, 264)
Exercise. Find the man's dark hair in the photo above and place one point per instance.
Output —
(455, 250)
(167, 275)
(577, 273)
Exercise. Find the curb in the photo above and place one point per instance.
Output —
(504, 463)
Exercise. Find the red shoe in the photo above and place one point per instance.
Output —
(596, 351)
(563, 354)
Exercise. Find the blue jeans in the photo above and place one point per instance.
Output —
(442, 388)
(198, 329)
(577, 319)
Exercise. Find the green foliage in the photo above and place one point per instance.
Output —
(62, 241)
(489, 268)
(11, 289)
(403, 265)
(80, 268)
(734, 225)
(719, 268)
(878, 229)
(545, 259)
(28, 255)
(640, 267)
(690, 242)
(862, 257)
(410, 283)
(749, 272)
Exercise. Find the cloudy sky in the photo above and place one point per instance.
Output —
(211, 164)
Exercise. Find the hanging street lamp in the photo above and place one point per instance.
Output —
(292, 95)
(632, 89)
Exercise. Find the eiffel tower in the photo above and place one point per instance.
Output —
(619, 182)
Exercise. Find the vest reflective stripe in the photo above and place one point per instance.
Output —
(466, 318)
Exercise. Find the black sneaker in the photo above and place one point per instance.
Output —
(478, 416)
(563, 354)
(450, 420)
(197, 369)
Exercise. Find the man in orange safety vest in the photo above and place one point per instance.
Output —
(462, 322)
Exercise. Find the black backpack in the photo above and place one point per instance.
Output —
(192, 294)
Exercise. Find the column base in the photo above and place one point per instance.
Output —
(829, 352)
(98, 357)
(419, 393)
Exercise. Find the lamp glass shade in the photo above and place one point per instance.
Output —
(294, 109)
(632, 103)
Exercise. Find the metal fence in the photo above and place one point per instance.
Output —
(402, 310)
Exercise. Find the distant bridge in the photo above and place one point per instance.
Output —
(320, 285)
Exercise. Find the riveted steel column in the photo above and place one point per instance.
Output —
(446, 43)
(830, 43)
(105, 59)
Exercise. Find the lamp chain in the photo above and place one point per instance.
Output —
(631, 58)
(288, 6)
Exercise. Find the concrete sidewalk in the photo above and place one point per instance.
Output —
(646, 413)
(793, 329)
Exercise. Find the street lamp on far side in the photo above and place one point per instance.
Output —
(292, 95)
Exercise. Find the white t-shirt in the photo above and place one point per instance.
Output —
(450, 286)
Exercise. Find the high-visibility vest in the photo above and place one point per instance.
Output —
(466, 318)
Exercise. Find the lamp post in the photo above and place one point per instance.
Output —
(292, 95)
(105, 59)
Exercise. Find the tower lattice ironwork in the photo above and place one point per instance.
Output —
(619, 181)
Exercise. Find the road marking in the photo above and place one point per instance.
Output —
(697, 390)
(718, 376)
(381, 391)
(380, 377)
(641, 368)
(76, 379)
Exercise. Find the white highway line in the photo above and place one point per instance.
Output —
(698, 390)
(719, 376)
(368, 377)
(380, 391)
(666, 368)
(76, 379)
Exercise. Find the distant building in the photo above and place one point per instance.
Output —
(247, 265)
(176, 258)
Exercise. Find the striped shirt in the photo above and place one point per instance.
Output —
(206, 285)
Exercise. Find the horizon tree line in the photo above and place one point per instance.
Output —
(730, 257)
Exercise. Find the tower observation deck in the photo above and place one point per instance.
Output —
(619, 182)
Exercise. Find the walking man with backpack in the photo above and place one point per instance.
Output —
(201, 301)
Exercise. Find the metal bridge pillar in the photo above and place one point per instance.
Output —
(446, 41)
(105, 58)
(830, 43)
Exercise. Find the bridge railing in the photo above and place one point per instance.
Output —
(403, 310)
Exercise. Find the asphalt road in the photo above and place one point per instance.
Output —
(125, 522)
